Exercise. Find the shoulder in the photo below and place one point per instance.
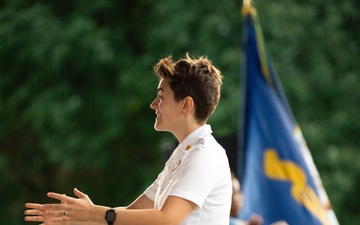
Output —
(208, 147)
(209, 156)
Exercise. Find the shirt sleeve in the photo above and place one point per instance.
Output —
(150, 192)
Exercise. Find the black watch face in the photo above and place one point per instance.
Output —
(110, 215)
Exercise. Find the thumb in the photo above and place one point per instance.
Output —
(82, 195)
(79, 193)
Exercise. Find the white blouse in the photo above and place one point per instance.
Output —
(198, 171)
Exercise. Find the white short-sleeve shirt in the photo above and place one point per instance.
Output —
(198, 171)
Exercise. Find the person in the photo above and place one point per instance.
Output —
(195, 185)
(236, 204)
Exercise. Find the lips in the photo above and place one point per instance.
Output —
(157, 118)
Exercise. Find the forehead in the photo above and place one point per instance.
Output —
(164, 86)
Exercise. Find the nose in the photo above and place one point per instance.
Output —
(154, 104)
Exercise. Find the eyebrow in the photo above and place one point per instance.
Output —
(160, 89)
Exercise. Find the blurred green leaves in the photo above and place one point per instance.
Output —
(76, 83)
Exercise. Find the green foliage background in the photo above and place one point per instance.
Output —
(76, 82)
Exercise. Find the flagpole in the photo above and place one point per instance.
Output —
(247, 3)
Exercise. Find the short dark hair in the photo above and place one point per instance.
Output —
(197, 78)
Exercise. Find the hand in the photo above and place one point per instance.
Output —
(36, 212)
(255, 220)
(70, 209)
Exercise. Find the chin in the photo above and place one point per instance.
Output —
(158, 127)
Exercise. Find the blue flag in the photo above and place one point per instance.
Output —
(278, 178)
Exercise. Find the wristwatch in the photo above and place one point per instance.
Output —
(110, 216)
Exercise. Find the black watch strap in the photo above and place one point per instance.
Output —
(110, 216)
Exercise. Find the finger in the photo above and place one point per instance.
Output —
(58, 213)
(63, 202)
(79, 193)
(61, 197)
(82, 195)
(34, 212)
(34, 218)
(55, 207)
(34, 205)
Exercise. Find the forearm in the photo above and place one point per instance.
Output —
(82, 211)
(173, 212)
(142, 217)
(133, 216)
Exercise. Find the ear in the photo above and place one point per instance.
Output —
(188, 105)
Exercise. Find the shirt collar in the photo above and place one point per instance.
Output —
(194, 136)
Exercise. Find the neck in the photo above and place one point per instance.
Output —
(181, 135)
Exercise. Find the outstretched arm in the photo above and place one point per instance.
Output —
(82, 210)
